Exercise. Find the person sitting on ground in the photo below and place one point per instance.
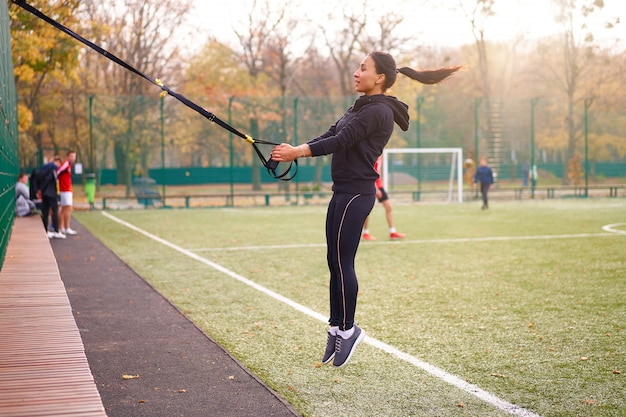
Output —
(24, 206)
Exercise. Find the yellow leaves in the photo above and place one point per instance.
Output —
(25, 117)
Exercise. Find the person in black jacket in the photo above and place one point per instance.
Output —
(356, 140)
(45, 185)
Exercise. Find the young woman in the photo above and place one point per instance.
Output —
(356, 140)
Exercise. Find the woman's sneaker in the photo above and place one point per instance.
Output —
(344, 348)
(330, 348)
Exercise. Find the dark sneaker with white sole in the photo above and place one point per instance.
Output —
(330, 348)
(344, 348)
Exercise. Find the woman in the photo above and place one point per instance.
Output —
(356, 141)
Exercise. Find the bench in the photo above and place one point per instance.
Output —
(146, 191)
(43, 367)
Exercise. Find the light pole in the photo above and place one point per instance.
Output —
(588, 102)
(295, 137)
(477, 102)
(230, 150)
(533, 180)
(420, 101)
(91, 160)
(162, 151)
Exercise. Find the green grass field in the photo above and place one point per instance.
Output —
(526, 301)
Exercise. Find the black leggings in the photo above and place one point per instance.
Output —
(344, 224)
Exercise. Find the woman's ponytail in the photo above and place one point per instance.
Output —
(429, 76)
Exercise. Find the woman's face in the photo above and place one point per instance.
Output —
(366, 80)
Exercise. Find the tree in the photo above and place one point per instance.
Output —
(143, 34)
(567, 66)
(45, 60)
(255, 40)
(478, 13)
(216, 76)
(344, 44)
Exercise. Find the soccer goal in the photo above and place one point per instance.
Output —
(424, 171)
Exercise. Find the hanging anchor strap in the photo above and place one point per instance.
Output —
(269, 164)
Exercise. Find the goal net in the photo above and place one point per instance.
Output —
(433, 174)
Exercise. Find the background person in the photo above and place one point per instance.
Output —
(24, 206)
(46, 185)
(383, 198)
(484, 176)
(355, 141)
(64, 174)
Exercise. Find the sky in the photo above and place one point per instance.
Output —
(439, 23)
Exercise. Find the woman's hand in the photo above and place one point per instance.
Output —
(287, 153)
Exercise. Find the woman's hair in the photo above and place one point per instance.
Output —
(385, 64)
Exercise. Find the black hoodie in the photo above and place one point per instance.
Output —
(357, 140)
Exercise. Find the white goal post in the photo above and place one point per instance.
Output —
(457, 159)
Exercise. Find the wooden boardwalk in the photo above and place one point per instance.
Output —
(43, 367)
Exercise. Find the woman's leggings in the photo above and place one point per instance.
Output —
(344, 224)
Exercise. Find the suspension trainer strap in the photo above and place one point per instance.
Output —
(269, 164)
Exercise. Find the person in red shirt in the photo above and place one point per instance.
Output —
(383, 198)
(64, 174)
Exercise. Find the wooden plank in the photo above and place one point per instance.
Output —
(43, 368)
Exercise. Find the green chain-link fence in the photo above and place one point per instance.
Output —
(124, 137)
(9, 164)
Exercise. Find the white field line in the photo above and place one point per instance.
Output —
(612, 228)
(431, 369)
(610, 232)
